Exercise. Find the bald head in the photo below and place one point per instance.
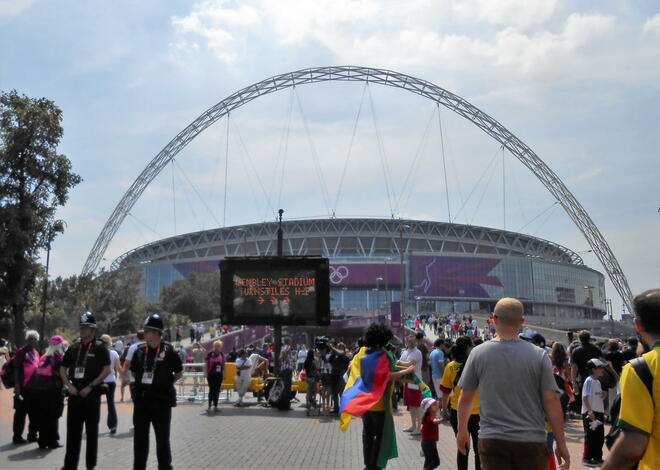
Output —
(509, 311)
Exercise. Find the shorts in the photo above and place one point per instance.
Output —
(412, 397)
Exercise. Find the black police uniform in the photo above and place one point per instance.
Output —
(153, 397)
(85, 362)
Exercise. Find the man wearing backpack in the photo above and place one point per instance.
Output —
(640, 394)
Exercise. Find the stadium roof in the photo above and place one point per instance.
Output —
(354, 237)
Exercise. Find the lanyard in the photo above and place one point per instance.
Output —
(153, 364)
(84, 363)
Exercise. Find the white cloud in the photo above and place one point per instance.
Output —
(652, 25)
(519, 13)
(11, 8)
(521, 48)
(587, 175)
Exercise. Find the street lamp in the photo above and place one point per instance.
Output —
(402, 227)
(590, 300)
(378, 279)
(387, 276)
(56, 227)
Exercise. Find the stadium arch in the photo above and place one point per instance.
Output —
(420, 87)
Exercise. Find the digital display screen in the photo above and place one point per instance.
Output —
(275, 290)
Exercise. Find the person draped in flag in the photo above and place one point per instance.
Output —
(368, 395)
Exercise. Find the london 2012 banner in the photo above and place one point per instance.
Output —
(454, 276)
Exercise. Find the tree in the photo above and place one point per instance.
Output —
(34, 181)
(114, 297)
(197, 296)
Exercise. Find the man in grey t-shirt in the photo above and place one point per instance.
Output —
(518, 393)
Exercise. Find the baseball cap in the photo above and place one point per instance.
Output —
(595, 362)
(426, 404)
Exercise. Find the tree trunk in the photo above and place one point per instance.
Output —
(18, 314)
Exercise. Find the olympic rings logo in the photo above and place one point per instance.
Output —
(338, 274)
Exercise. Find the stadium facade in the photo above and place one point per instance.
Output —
(436, 266)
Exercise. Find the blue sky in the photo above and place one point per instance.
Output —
(576, 81)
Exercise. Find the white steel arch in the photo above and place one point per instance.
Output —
(490, 126)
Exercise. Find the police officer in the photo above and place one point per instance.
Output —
(155, 367)
(84, 366)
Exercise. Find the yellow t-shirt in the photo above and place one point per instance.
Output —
(448, 382)
(637, 411)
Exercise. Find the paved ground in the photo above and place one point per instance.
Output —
(247, 438)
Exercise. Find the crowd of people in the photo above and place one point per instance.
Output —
(506, 394)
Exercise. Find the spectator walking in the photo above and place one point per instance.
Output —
(110, 383)
(430, 433)
(451, 393)
(579, 358)
(214, 368)
(639, 443)
(593, 414)
(412, 395)
(26, 362)
(437, 362)
(376, 396)
(517, 392)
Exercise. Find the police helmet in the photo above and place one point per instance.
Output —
(87, 320)
(154, 323)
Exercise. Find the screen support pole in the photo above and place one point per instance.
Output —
(277, 329)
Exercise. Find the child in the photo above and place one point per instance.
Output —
(430, 423)
(592, 414)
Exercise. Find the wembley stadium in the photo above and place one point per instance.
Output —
(435, 266)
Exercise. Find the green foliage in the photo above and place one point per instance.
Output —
(34, 181)
(197, 296)
(113, 296)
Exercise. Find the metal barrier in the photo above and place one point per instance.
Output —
(192, 387)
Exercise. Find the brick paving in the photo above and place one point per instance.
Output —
(245, 438)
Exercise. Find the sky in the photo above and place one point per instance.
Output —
(577, 81)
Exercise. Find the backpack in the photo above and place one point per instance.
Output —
(644, 373)
(7, 373)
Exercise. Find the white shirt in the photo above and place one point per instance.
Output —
(254, 359)
(114, 357)
(594, 391)
(132, 349)
(413, 354)
(241, 363)
(302, 355)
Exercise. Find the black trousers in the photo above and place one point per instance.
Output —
(336, 388)
(431, 457)
(159, 414)
(46, 409)
(110, 399)
(21, 408)
(593, 438)
(82, 411)
(372, 436)
(214, 381)
(473, 429)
